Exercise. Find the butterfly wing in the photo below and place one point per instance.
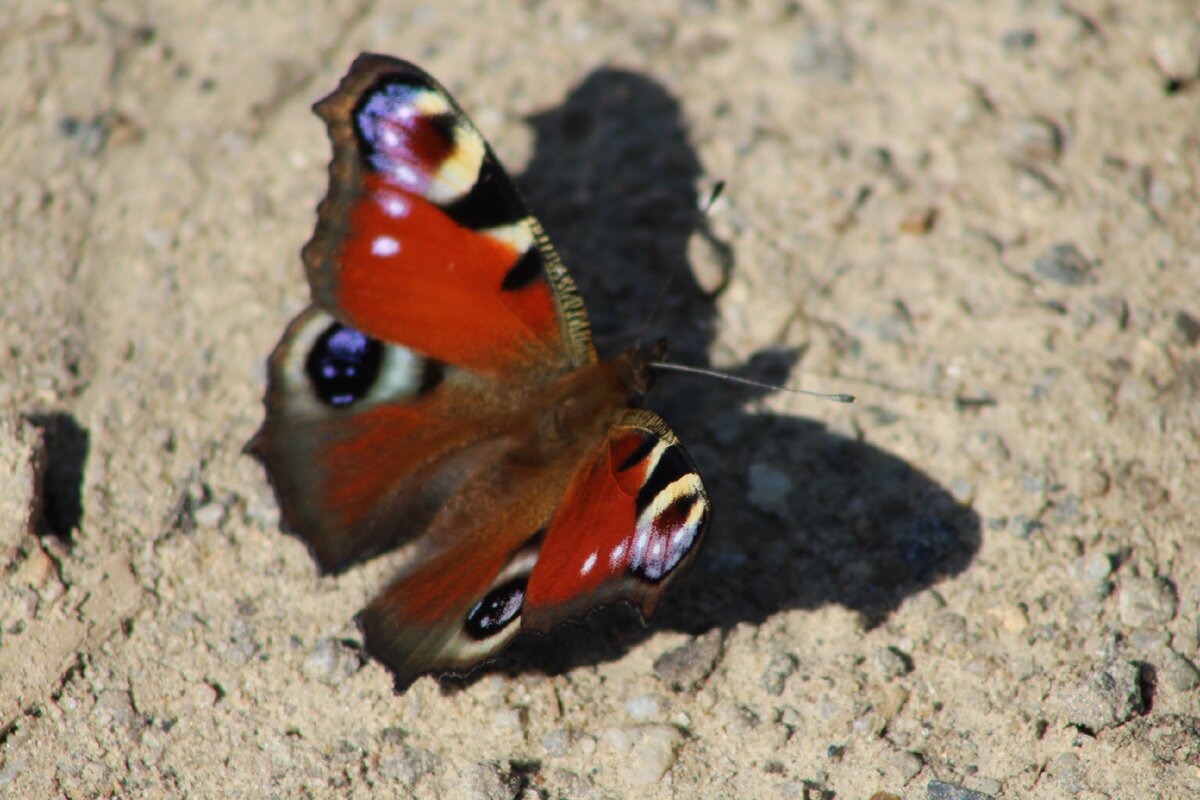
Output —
(423, 239)
(461, 605)
(439, 308)
(362, 441)
(630, 522)
(626, 524)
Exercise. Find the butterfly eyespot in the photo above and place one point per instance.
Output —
(343, 365)
(673, 512)
(496, 610)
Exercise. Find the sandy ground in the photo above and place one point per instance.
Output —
(980, 217)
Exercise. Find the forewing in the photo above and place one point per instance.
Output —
(424, 241)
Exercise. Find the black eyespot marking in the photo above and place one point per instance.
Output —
(443, 126)
(644, 449)
(343, 365)
(673, 539)
(671, 466)
(496, 611)
(524, 272)
(432, 373)
(492, 201)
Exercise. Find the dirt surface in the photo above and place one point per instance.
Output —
(980, 218)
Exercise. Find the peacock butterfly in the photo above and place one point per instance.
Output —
(443, 387)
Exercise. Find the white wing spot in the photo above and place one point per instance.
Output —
(618, 552)
(385, 246)
(406, 175)
(587, 565)
(393, 205)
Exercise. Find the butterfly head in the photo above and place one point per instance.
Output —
(637, 365)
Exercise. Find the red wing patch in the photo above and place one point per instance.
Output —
(632, 517)
(409, 273)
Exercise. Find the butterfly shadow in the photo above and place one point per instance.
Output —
(803, 517)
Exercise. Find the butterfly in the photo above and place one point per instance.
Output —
(443, 389)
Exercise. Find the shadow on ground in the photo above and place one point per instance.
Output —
(614, 180)
(66, 445)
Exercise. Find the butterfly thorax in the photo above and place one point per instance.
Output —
(583, 403)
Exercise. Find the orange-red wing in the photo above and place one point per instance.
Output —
(631, 520)
(423, 240)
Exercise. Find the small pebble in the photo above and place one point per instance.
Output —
(408, 764)
(1111, 310)
(1146, 602)
(687, 667)
(1177, 53)
(919, 221)
(824, 54)
(331, 662)
(1033, 483)
(1160, 195)
(1149, 641)
(779, 669)
(1187, 328)
(509, 719)
(1032, 141)
(1066, 509)
(1180, 673)
(1019, 39)
(1066, 771)
(557, 742)
(209, 515)
(937, 790)
(1108, 697)
(989, 786)
(962, 490)
(1064, 264)
(644, 707)
(648, 751)
(888, 322)
(908, 764)
(487, 782)
(1091, 568)
(1095, 483)
(769, 489)
(789, 717)
(1146, 489)
(115, 707)
(891, 662)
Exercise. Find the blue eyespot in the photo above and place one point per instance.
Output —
(343, 365)
(496, 611)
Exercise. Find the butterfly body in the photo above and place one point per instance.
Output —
(444, 388)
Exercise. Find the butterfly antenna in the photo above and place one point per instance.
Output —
(836, 398)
